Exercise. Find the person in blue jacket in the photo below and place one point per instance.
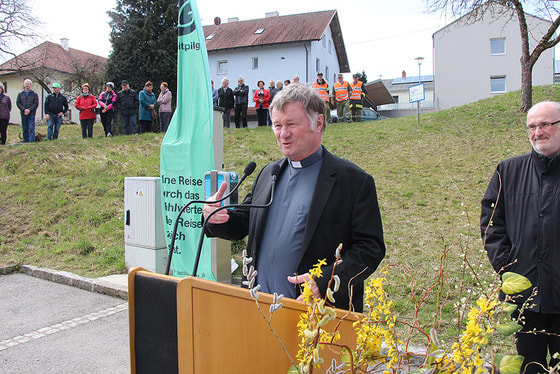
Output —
(148, 102)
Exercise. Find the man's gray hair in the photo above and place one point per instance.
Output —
(554, 104)
(307, 97)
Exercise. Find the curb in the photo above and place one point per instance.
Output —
(69, 279)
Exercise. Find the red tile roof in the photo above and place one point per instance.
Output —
(52, 56)
(278, 30)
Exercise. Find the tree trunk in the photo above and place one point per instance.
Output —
(526, 87)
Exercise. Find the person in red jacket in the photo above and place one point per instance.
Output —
(262, 101)
(86, 103)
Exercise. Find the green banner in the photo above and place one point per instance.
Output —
(186, 151)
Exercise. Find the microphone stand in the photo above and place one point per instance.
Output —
(274, 173)
(248, 171)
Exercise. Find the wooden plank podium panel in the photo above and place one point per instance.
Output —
(220, 330)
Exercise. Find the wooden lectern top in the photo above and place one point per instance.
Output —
(219, 328)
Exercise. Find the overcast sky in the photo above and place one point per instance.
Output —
(382, 37)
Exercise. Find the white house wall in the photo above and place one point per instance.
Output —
(279, 62)
(463, 64)
(327, 58)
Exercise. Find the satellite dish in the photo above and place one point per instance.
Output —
(217, 21)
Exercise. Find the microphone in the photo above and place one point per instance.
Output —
(246, 172)
(274, 171)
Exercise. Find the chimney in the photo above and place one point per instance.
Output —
(403, 74)
(64, 43)
(233, 19)
(271, 14)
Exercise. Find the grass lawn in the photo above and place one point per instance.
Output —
(61, 202)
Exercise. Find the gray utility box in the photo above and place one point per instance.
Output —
(144, 236)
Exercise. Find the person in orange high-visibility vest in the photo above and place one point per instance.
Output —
(356, 98)
(322, 88)
(342, 91)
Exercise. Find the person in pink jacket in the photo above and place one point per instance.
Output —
(262, 101)
(107, 102)
(164, 102)
(86, 103)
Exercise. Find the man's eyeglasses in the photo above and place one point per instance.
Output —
(543, 126)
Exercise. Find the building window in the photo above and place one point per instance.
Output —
(259, 31)
(222, 67)
(255, 63)
(209, 37)
(396, 98)
(498, 84)
(330, 46)
(5, 87)
(498, 46)
(324, 41)
(317, 65)
(326, 72)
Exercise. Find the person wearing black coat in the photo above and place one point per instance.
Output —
(226, 101)
(520, 228)
(241, 93)
(56, 105)
(127, 104)
(320, 201)
(27, 102)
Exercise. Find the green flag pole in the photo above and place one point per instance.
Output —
(186, 150)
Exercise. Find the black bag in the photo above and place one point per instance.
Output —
(154, 114)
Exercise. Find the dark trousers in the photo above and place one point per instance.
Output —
(534, 346)
(145, 126)
(164, 118)
(28, 128)
(262, 115)
(227, 117)
(129, 123)
(107, 120)
(87, 128)
(240, 114)
(4, 130)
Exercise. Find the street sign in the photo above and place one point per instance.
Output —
(416, 93)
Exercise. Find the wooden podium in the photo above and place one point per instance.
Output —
(195, 326)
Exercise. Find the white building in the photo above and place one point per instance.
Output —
(277, 47)
(478, 56)
(399, 90)
(50, 63)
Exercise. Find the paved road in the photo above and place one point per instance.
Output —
(47, 327)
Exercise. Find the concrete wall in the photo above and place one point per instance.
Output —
(463, 64)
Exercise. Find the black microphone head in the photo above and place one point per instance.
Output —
(250, 168)
(275, 170)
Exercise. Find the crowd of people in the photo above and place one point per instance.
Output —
(346, 96)
(127, 102)
(138, 111)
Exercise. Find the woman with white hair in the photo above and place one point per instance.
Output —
(5, 108)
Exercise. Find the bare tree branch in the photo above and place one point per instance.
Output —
(16, 24)
(475, 9)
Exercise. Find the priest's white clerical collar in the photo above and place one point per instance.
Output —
(310, 160)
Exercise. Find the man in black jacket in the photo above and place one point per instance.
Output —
(225, 100)
(127, 103)
(520, 227)
(241, 93)
(320, 201)
(56, 105)
(27, 102)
